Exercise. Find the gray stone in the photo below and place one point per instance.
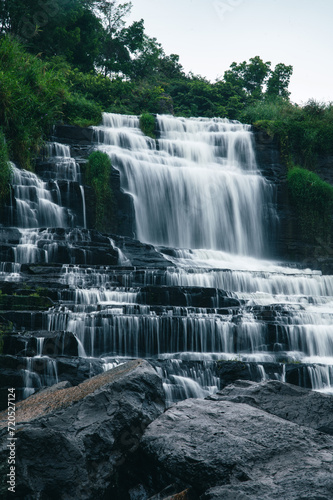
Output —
(296, 404)
(71, 441)
(242, 451)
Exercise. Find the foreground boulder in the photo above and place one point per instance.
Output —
(299, 405)
(226, 450)
(71, 442)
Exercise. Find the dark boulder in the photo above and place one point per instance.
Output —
(296, 404)
(226, 450)
(72, 441)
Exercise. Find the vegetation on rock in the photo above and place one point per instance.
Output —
(147, 125)
(304, 132)
(312, 199)
(97, 175)
(5, 170)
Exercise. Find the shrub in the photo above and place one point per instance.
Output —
(31, 98)
(304, 132)
(312, 199)
(5, 170)
(80, 111)
(97, 175)
(147, 125)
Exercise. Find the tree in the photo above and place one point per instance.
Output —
(68, 28)
(278, 82)
(119, 43)
(250, 77)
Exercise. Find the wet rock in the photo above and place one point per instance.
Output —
(186, 296)
(293, 373)
(30, 374)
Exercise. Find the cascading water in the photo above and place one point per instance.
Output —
(41, 204)
(199, 187)
(201, 200)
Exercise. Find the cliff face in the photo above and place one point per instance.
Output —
(81, 143)
(290, 243)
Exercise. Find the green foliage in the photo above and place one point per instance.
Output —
(312, 199)
(147, 125)
(252, 77)
(5, 170)
(97, 175)
(305, 132)
(278, 82)
(67, 27)
(80, 111)
(31, 97)
(34, 95)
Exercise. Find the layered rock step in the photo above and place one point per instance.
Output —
(195, 349)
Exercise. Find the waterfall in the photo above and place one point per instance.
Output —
(36, 201)
(214, 298)
(198, 187)
(197, 190)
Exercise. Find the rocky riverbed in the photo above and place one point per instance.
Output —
(111, 437)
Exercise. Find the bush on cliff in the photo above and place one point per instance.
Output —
(34, 95)
(304, 131)
(31, 97)
(312, 199)
(5, 170)
(147, 125)
(97, 175)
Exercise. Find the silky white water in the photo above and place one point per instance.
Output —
(200, 198)
(198, 187)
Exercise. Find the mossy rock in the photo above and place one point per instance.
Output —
(24, 303)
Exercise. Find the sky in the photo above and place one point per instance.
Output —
(209, 35)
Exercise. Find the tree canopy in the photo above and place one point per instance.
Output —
(94, 38)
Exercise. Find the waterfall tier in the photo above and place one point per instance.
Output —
(196, 187)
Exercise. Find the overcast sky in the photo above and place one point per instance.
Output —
(209, 35)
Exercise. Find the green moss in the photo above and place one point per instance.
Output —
(312, 199)
(24, 302)
(97, 175)
(147, 125)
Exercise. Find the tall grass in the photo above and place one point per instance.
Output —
(34, 95)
